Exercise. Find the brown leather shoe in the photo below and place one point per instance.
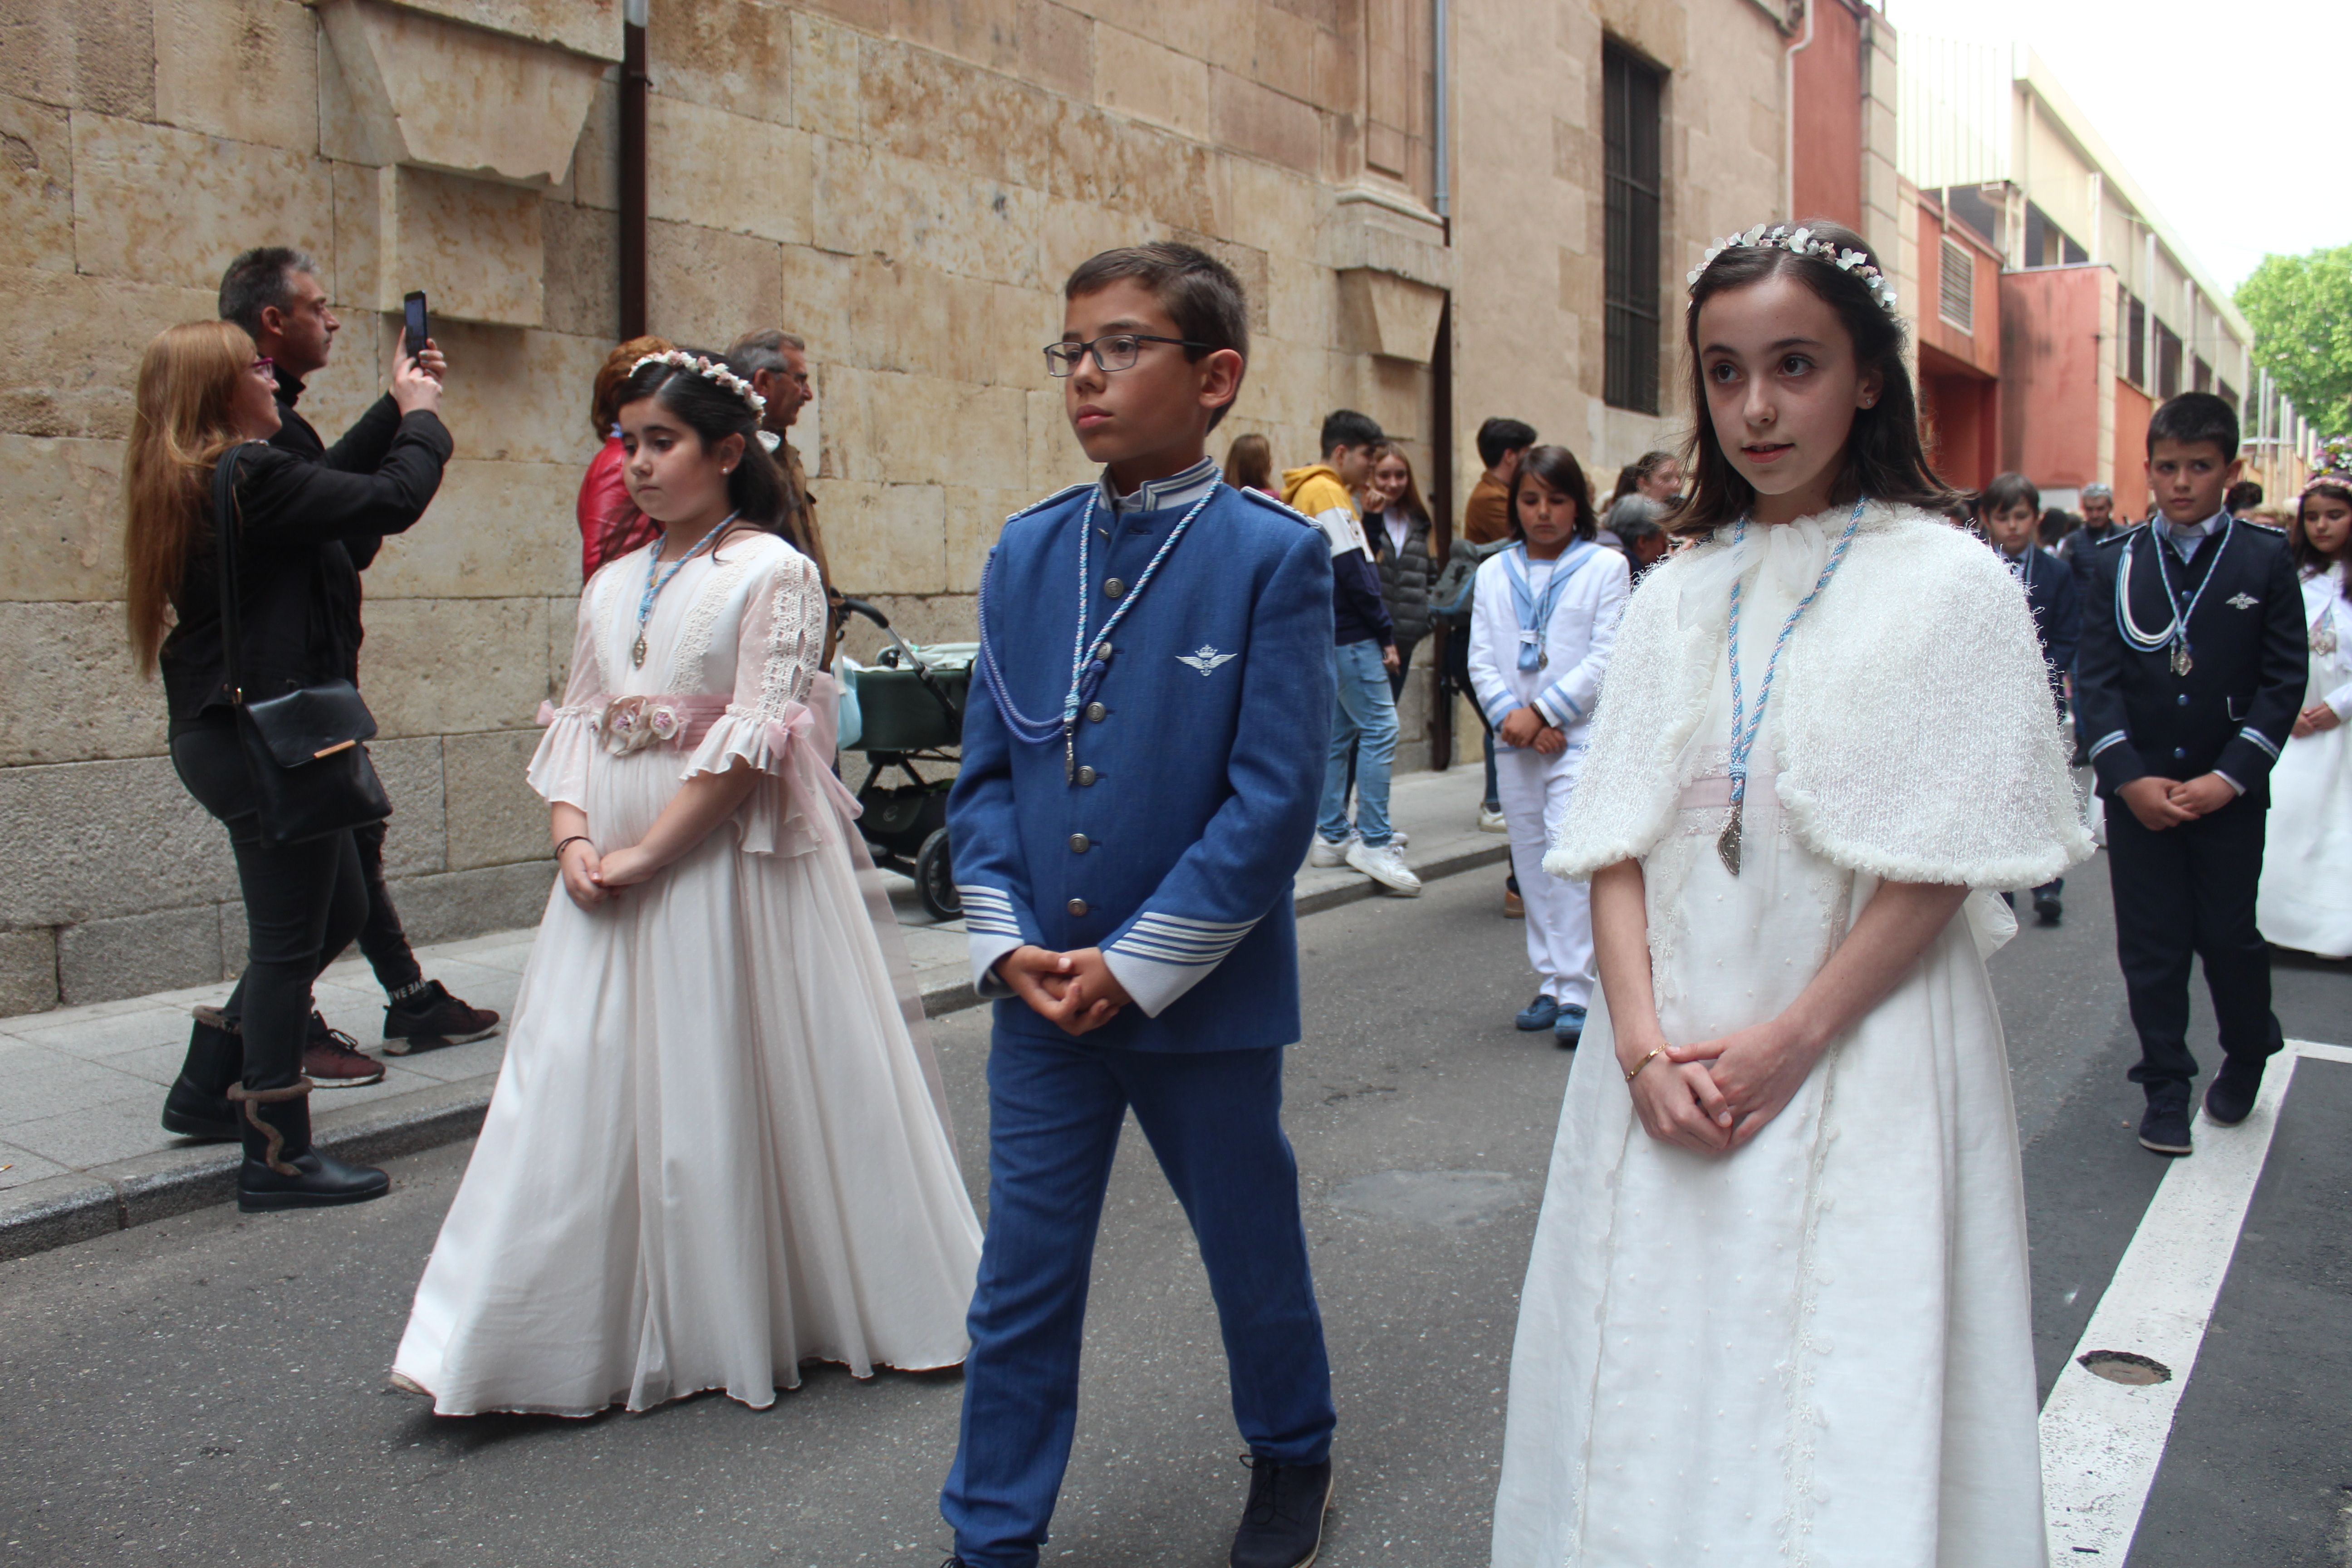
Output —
(1513, 907)
(332, 1060)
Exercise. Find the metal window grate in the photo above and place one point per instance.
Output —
(1633, 144)
(1957, 291)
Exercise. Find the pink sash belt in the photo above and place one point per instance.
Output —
(626, 724)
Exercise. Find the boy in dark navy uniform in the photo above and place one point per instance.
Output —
(1142, 761)
(2192, 669)
(2009, 512)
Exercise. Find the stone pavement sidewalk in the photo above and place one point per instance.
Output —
(81, 1151)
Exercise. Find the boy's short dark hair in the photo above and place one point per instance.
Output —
(2191, 417)
(1498, 436)
(1198, 293)
(2243, 496)
(256, 279)
(2008, 491)
(1346, 427)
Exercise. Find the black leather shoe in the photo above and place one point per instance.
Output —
(431, 1019)
(2047, 908)
(2231, 1099)
(281, 1170)
(2165, 1129)
(1282, 1527)
(197, 1105)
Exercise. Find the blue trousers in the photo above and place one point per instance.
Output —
(1214, 1122)
(1364, 729)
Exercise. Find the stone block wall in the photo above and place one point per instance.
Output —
(906, 185)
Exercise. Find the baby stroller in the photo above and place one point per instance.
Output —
(905, 707)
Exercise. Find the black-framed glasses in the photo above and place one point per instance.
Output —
(1114, 352)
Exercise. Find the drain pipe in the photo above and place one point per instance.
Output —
(633, 168)
(1441, 111)
(1788, 113)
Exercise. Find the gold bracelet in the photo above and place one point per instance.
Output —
(1655, 1052)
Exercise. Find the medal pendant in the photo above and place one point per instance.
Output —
(1727, 843)
(637, 654)
(2181, 663)
(1069, 755)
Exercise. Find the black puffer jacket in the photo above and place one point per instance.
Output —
(1405, 575)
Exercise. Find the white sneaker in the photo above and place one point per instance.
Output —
(1326, 854)
(1400, 837)
(1491, 821)
(1385, 866)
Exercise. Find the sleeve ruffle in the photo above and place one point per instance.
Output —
(559, 769)
(798, 804)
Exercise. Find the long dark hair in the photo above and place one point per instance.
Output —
(756, 489)
(1884, 457)
(2309, 557)
(1557, 466)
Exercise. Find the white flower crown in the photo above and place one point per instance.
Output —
(1804, 243)
(708, 370)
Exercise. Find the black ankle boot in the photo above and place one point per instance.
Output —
(281, 1170)
(198, 1104)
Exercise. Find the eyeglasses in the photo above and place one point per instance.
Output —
(1116, 351)
(264, 366)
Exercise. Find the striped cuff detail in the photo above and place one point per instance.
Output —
(988, 911)
(2111, 738)
(1558, 711)
(1500, 709)
(1171, 939)
(2259, 739)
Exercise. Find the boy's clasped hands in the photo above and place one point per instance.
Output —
(1075, 991)
(1525, 728)
(2162, 802)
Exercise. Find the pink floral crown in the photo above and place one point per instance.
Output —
(1803, 242)
(2334, 468)
(709, 370)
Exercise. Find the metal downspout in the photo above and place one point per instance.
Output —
(1789, 114)
(633, 168)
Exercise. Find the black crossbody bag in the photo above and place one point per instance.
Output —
(311, 776)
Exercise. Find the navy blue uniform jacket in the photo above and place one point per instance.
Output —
(1199, 766)
(2057, 609)
(2249, 657)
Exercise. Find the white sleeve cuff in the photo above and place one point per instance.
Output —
(1154, 985)
(987, 950)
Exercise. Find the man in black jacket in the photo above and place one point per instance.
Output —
(273, 293)
(2192, 673)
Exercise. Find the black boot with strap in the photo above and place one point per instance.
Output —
(281, 1170)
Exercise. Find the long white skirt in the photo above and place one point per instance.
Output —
(1814, 1350)
(711, 1155)
(2306, 900)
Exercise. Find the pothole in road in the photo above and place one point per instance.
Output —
(2123, 1366)
(1450, 1200)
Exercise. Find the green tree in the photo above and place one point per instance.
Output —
(2300, 311)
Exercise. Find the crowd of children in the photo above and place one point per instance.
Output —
(1699, 707)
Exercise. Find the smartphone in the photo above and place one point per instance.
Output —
(418, 329)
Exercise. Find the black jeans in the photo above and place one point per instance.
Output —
(303, 905)
(2190, 890)
(381, 939)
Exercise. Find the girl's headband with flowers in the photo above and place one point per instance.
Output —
(710, 371)
(1803, 242)
(2333, 468)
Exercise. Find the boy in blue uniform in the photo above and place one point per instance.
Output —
(2008, 510)
(2192, 670)
(1142, 759)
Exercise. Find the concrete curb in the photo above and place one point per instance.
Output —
(82, 1205)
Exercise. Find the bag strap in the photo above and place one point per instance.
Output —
(225, 517)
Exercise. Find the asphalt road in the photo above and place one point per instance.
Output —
(210, 1390)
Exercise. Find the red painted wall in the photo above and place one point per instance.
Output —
(1959, 413)
(2132, 408)
(1979, 346)
(1829, 117)
(2051, 320)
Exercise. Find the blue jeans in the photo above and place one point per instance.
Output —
(1366, 725)
(1214, 1121)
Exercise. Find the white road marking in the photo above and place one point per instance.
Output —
(2101, 1441)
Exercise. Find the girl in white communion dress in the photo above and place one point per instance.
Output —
(1777, 1311)
(2305, 898)
(716, 1150)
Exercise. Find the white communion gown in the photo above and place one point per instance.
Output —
(1816, 1348)
(2306, 901)
(716, 1150)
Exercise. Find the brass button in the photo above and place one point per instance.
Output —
(1077, 906)
(1080, 843)
(1097, 713)
(1115, 588)
(1086, 775)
